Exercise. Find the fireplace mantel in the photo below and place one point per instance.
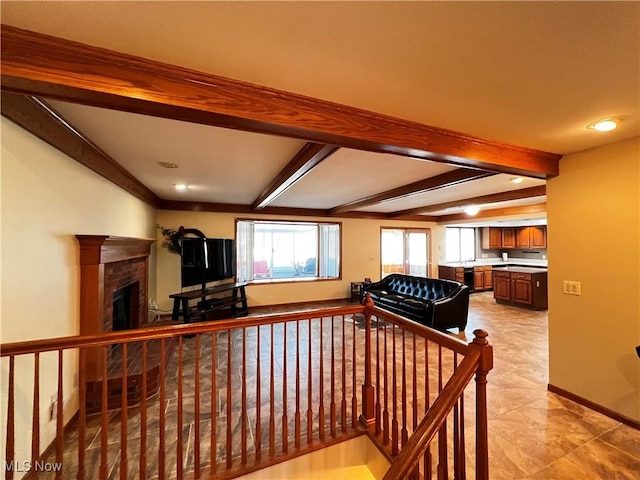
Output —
(98, 249)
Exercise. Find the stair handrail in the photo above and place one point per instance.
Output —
(478, 361)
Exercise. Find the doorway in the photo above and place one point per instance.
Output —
(406, 251)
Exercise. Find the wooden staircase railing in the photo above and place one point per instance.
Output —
(242, 394)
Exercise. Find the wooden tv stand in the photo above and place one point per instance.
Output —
(205, 305)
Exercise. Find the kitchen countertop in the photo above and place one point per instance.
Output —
(520, 269)
(498, 262)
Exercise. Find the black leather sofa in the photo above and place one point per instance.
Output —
(436, 303)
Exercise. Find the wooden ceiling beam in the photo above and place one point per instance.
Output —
(309, 156)
(42, 65)
(447, 179)
(41, 120)
(496, 212)
(493, 198)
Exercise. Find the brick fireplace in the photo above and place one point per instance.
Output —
(109, 264)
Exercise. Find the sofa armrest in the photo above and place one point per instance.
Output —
(452, 311)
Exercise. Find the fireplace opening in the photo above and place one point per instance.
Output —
(125, 312)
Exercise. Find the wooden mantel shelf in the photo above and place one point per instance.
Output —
(99, 249)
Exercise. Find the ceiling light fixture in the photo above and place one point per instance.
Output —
(181, 187)
(472, 210)
(604, 125)
(168, 165)
(517, 180)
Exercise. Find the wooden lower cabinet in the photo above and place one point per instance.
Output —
(482, 278)
(451, 273)
(520, 288)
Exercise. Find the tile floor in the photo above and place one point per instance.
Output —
(533, 434)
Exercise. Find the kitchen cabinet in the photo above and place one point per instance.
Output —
(538, 236)
(482, 278)
(451, 273)
(508, 238)
(521, 286)
(491, 238)
(531, 237)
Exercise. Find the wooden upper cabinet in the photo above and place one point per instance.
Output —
(523, 237)
(508, 238)
(538, 236)
(491, 238)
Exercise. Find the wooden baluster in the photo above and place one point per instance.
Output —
(124, 413)
(343, 413)
(104, 415)
(332, 406)
(243, 419)
(321, 385)
(285, 418)
(196, 423)
(214, 402)
(309, 393)
(297, 419)
(482, 441)
(143, 413)
(394, 395)
(258, 399)
(443, 463)
(229, 435)
(415, 475)
(404, 433)
(11, 417)
(82, 413)
(161, 444)
(456, 433)
(60, 415)
(179, 455)
(367, 417)
(272, 412)
(378, 407)
(35, 418)
(385, 413)
(354, 370)
(428, 459)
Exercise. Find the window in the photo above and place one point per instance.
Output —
(273, 250)
(460, 244)
(404, 251)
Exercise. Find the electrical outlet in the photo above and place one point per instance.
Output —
(571, 288)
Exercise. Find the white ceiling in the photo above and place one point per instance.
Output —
(533, 74)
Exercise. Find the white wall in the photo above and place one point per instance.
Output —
(47, 198)
(593, 211)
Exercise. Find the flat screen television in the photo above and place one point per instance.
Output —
(206, 260)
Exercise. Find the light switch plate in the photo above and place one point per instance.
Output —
(571, 287)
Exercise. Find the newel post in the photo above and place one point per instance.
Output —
(367, 417)
(485, 363)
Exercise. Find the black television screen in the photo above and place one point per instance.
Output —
(207, 260)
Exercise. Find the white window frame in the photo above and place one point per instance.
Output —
(449, 257)
(328, 252)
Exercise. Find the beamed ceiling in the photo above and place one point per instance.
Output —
(122, 108)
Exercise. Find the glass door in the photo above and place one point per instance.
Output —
(404, 251)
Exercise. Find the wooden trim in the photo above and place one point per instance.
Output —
(99, 249)
(594, 406)
(43, 65)
(496, 212)
(447, 179)
(309, 157)
(44, 122)
(483, 199)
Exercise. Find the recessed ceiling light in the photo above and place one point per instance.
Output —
(181, 187)
(168, 165)
(472, 210)
(517, 179)
(604, 125)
